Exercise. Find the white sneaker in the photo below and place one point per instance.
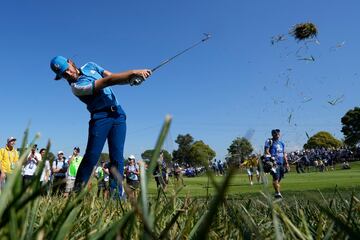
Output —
(278, 195)
(251, 183)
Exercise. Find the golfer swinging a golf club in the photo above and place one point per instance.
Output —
(91, 84)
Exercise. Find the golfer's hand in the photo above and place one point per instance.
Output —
(144, 73)
(139, 76)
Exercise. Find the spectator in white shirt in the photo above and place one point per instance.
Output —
(45, 176)
(59, 168)
(30, 165)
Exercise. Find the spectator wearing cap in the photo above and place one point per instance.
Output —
(8, 158)
(276, 149)
(74, 163)
(132, 173)
(30, 165)
(59, 168)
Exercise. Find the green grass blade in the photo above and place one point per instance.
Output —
(202, 229)
(111, 231)
(294, 231)
(277, 228)
(148, 217)
(71, 203)
(171, 223)
(13, 230)
(67, 225)
(328, 234)
(162, 136)
(305, 224)
(196, 228)
(319, 229)
(32, 218)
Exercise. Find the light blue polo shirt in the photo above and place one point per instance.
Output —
(83, 88)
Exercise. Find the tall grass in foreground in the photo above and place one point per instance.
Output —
(26, 214)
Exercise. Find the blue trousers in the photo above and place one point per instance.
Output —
(104, 126)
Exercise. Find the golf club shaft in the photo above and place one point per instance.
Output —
(180, 53)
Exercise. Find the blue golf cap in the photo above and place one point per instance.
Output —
(59, 65)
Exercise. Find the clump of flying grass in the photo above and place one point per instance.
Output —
(303, 31)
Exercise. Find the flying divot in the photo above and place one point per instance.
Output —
(304, 31)
(337, 100)
(311, 59)
(277, 38)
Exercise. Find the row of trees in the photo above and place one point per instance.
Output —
(197, 153)
(350, 128)
(193, 153)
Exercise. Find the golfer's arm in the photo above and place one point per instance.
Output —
(111, 79)
(106, 73)
(121, 78)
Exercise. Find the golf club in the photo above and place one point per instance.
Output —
(138, 79)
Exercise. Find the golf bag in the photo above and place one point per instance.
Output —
(267, 163)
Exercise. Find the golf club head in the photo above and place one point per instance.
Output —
(207, 36)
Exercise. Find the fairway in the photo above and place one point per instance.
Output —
(293, 183)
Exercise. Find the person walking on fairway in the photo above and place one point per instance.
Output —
(91, 84)
(276, 150)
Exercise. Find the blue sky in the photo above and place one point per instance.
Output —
(235, 83)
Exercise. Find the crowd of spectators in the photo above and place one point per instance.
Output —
(322, 159)
(59, 174)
